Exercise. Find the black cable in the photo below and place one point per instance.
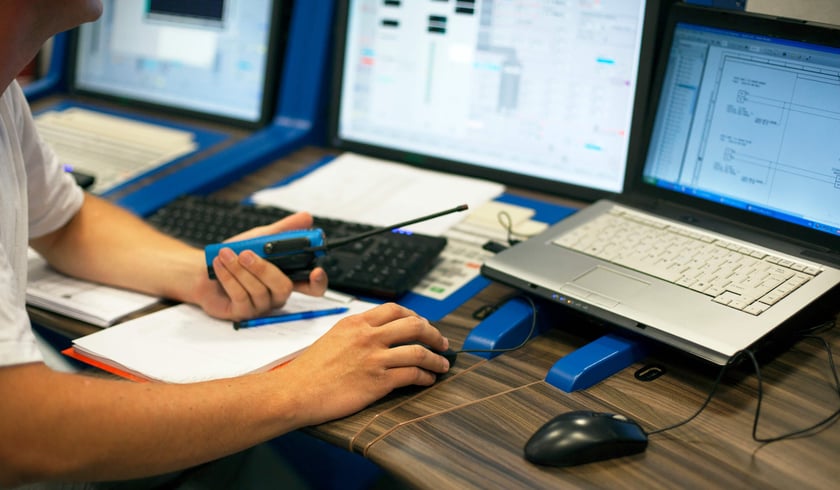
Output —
(805, 430)
(506, 221)
(746, 352)
(711, 394)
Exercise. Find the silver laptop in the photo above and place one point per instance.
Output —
(732, 224)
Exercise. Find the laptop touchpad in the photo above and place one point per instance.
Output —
(611, 283)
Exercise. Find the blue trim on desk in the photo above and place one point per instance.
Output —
(723, 4)
(434, 309)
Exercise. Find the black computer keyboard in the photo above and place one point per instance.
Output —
(386, 265)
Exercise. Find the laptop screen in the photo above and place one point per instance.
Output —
(214, 58)
(537, 93)
(753, 122)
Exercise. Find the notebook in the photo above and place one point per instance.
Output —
(742, 157)
(538, 94)
(184, 63)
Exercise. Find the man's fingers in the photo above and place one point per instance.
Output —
(297, 221)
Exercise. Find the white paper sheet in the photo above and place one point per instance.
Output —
(379, 192)
(181, 344)
(87, 301)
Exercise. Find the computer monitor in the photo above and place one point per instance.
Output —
(216, 59)
(538, 93)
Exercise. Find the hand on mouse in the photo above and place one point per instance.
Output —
(354, 364)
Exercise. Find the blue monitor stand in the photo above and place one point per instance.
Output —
(509, 325)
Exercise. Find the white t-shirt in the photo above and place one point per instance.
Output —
(36, 197)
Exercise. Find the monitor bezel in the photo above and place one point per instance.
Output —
(279, 22)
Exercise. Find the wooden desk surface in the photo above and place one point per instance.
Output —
(469, 430)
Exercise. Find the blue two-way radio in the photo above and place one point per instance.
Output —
(297, 252)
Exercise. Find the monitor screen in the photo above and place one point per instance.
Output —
(751, 121)
(214, 58)
(535, 93)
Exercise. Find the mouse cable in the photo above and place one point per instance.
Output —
(524, 341)
(746, 352)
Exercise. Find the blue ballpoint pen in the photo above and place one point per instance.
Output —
(288, 317)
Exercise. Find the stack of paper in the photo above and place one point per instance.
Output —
(90, 302)
(181, 344)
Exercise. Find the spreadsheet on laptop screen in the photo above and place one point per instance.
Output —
(540, 89)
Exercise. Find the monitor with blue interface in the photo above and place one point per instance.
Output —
(214, 58)
(539, 94)
(751, 121)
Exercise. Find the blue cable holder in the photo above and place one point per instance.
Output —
(510, 324)
(594, 362)
(505, 328)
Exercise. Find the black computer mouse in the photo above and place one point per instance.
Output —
(580, 437)
(450, 356)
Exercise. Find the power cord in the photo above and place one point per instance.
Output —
(807, 334)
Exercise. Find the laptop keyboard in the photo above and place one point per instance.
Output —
(738, 276)
(113, 149)
(386, 265)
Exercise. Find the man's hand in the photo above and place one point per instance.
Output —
(356, 362)
(247, 285)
